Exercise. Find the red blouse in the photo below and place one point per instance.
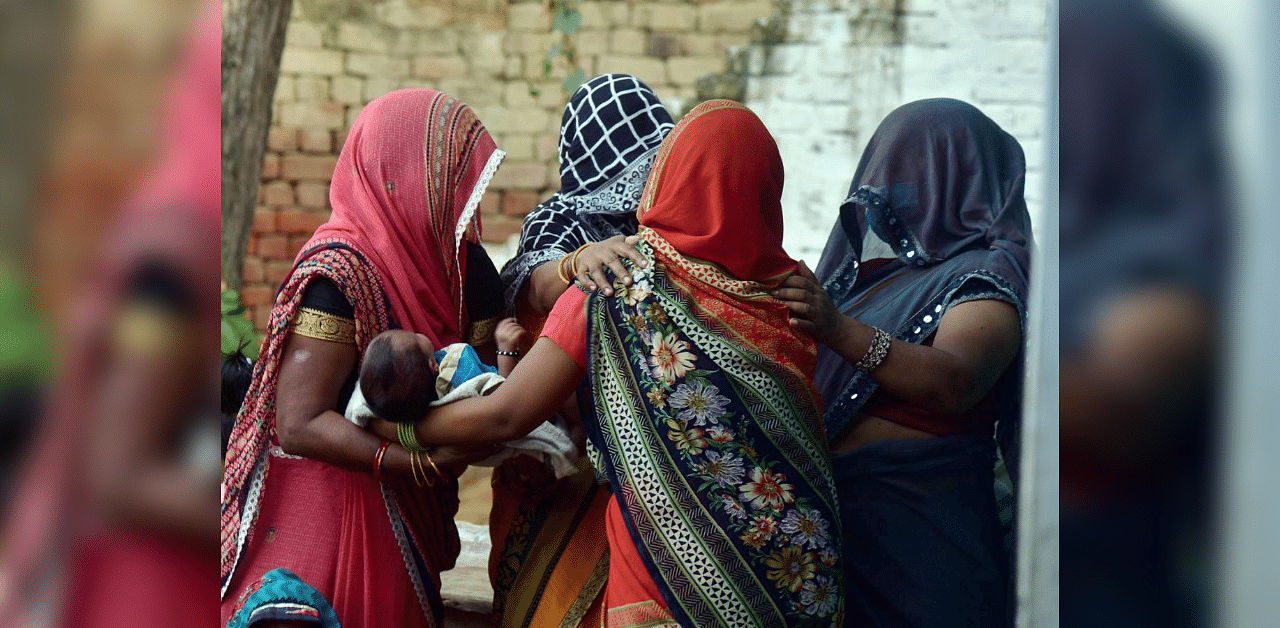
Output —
(567, 325)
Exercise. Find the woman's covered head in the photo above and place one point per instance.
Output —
(406, 190)
(938, 178)
(609, 123)
(715, 192)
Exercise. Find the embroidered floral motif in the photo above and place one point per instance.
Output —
(720, 434)
(638, 291)
(754, 538)
(806, 527)
(698, 402)
(733, 507)
(656, 314)
(726, 468)
(789, 567)
(641, 324)
(689, 440)
(657, 397)
(670, 358)
(766, 490)
(818, 596)
(827, 557)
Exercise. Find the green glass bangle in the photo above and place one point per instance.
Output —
(408, 439)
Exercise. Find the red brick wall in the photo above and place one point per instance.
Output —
(486, 52)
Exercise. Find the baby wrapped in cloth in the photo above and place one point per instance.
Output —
(402, 376)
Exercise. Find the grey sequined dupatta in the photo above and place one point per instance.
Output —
(942, 185)
(609, 134)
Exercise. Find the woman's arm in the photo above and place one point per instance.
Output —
(540, 383)
(312, 373)
(974, 344)
(545, 286)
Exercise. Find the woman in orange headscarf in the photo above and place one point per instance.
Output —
(701, 413)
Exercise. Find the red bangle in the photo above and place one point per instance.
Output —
(377, 460)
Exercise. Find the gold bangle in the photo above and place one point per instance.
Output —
(573, 263)
(417, 455)
(413, 468)
(377, 460)
(560, 269)
(439, 476)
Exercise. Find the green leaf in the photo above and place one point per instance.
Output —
(568, 21)
(555, 50)
(251, 350)
(575, 79)
(230, 340)
(533, 90)
(546, 67)
(231, 303)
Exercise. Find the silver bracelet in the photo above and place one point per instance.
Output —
(514, 354)
(876, 353)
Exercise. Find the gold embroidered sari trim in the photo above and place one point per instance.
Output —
(481, 332)
(313, 323)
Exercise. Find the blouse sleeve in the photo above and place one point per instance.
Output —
(548, 233)
(567, 325)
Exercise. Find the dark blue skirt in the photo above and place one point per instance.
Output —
(922, 541)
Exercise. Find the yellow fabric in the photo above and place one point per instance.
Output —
(550, 554)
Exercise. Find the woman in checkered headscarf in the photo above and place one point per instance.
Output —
(609, 135)
(550, 552)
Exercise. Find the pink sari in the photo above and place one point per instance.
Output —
(394, 247)
(62, 561)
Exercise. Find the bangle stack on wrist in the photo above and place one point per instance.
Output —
(409, 440)
(567, 276)
(876, 353)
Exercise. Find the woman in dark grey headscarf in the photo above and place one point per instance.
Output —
(926, 272)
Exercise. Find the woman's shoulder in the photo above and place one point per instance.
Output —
(324, 295)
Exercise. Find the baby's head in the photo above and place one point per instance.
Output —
(398, 376)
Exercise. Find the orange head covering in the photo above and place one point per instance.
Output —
(715, 193)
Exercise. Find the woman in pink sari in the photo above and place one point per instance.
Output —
(306, 490)
(110, 521)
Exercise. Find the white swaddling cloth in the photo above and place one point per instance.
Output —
(549, 443)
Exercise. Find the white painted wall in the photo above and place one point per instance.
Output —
(848, 63)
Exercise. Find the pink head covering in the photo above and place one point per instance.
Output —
(173, 218)
(405, 194)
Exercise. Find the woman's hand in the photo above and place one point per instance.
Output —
(511, 336)
(811, 309)
(590, 265)
(459, 456)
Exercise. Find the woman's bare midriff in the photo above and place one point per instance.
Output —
(868, 429)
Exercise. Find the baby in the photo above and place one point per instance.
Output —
(401, 375)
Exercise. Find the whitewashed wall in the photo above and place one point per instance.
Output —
(845, 64)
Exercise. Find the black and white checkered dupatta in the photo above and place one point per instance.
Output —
(609, 135)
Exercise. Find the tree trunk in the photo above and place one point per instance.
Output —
(252, 41)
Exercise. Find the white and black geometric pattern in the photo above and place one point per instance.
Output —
(609, 135)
